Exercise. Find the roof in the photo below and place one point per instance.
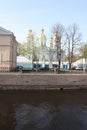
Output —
(5, 31)
(22, 59)
(80, 61)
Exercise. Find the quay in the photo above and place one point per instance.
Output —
(42, 81)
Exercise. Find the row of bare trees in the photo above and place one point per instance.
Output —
(68, 40)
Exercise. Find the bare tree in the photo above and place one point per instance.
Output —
(73, 38)
(58, 32)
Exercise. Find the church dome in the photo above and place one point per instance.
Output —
(51, 40)
(30, 35)
(42, 35)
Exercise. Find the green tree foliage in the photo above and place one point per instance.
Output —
(32, 49)
(22, 49)
(18, 48)
(28, 49)
(83, 50)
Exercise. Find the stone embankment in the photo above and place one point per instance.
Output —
(42, 81)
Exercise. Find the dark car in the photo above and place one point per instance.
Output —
(18, 68)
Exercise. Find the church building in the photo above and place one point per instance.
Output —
(38, 47)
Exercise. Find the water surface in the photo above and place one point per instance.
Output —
(43, 110)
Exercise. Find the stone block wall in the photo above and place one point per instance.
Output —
(42, 81)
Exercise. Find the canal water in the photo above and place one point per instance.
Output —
(43, 110)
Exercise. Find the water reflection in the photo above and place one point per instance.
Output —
(43, 116)
(28, 116)
(42, 110)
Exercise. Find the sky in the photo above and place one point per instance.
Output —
(19, 16)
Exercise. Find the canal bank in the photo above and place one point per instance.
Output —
(42, 81)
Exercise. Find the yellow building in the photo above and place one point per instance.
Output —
(8, 50)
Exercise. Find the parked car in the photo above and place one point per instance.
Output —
(18, 68)
(79, 68)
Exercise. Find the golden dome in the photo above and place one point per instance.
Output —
(30, 35)
(56, 37)
(51, 40)
(42, 35)
(42, 30)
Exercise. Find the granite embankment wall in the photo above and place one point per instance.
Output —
(42, 81)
